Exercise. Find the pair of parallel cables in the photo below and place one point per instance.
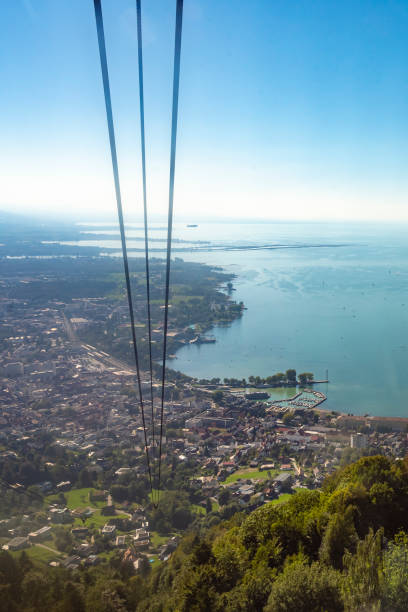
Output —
(112, 142)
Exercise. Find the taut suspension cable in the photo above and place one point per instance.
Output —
(176, 82)
(146, 234)
(111, 131)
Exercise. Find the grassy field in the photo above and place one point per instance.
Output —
(37, 553)
(284, 497)
(77, 498)
(200, 510)
(157, 540)
(249, 474)
(97, 520)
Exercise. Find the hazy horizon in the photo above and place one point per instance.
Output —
(88, 218)
(286, 113)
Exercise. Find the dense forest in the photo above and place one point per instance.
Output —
(342, 548)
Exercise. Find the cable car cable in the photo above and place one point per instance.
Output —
(111, 131)
(146, 234)
(176, 82)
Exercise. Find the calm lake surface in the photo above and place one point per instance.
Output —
(341, 307)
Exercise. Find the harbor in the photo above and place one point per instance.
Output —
(306, 398)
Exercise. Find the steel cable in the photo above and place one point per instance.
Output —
(176, 83)
(146, 234)
(112, 142)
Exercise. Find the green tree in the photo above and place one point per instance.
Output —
(35, 590)
(63, 540)
(71, 599)
(181, 518)
(288, 417)
(362, 586)
(24, 562)
(278, 378)
(62, 499)
(85, 479)
(145, 567)
(224, 497)
(174, 511)
(252, 594)
(10, 577)
(119, 493)
(340, 535)
(195, 589)
(106, 595)
(395, 572)
(305, 377)
(306, 588)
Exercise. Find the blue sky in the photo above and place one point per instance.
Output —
(288, 109)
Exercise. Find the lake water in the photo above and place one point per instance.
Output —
(342, 307)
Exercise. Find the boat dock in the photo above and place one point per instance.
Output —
(307, 398)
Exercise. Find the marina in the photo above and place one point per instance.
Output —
(305, 398)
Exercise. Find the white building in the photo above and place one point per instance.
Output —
(358, 440)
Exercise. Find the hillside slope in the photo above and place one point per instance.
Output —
(342, 548)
